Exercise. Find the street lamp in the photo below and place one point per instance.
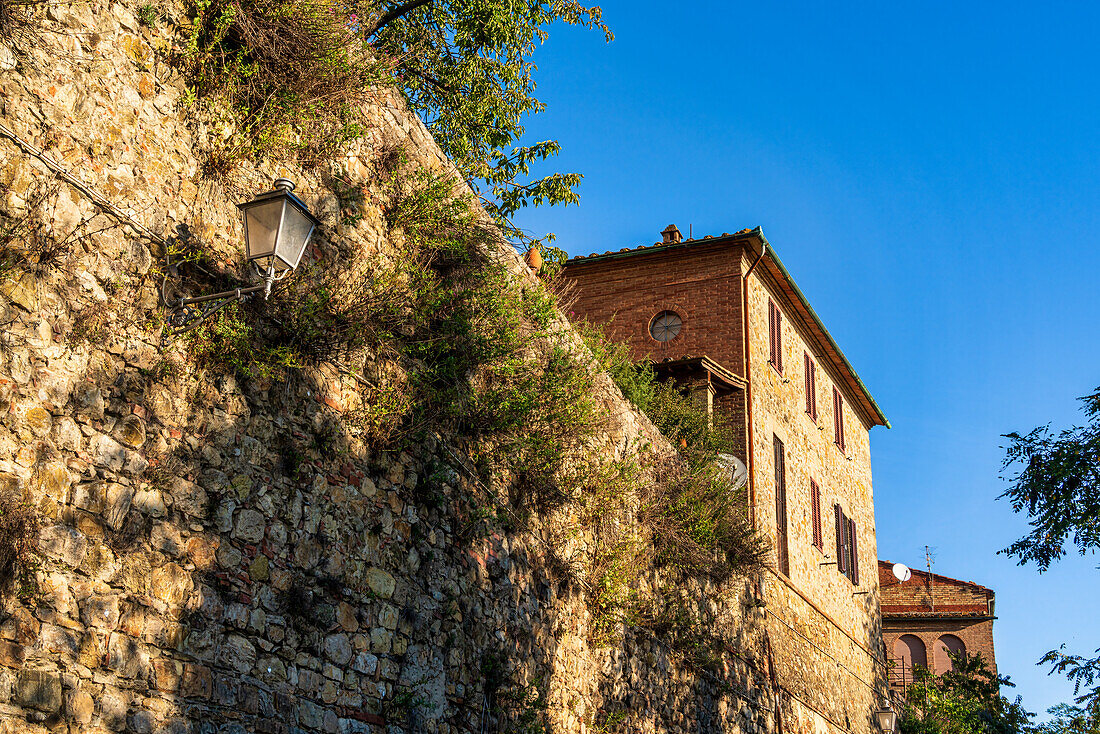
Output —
(887, 718)
(277, 228)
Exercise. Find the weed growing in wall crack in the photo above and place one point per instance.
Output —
(284, 75)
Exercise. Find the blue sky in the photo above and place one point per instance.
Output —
(930, 174)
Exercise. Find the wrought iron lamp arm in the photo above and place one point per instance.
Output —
(184, 318)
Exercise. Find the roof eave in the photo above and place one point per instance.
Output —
(769, 249)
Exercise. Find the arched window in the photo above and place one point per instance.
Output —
(910, 651)
(947, 644)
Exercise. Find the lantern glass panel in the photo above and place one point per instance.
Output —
(887, 720)
(294, 236)
(261, 222)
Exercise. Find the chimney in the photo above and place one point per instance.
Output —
(671, 235)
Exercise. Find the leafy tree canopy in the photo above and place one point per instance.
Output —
(1067, 719)
(1057, 483)
(965, 700)
(465, 67)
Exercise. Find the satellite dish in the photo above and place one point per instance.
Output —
(902, 572)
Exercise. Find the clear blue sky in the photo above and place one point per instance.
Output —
(930, 174)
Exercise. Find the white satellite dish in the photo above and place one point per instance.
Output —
(902, 572)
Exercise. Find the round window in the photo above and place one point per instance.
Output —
(665, 326)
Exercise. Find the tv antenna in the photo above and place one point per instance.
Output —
(928, 564)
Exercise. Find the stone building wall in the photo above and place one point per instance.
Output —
(817, 600)
(225, 555)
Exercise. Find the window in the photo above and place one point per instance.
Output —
(811, 386)
(815, 515)
(944, 647)
(782, 557)
(909, 652)
(665, 326)
(847, 552)
(775, 336)
(838, 418)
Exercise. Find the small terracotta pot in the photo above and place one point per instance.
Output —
(534, 259)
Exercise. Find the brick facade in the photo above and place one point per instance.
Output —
(933, 609)
(824, 628)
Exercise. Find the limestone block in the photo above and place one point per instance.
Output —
(90, 496)
(38, 420)
(107, 452)
(381, 582)
(345, 615)
(127, 656)
(131, 431)
(113, 705)
(63, 543)
(171, 584)
(387, 616)
(237, 653)
(337, 648)
(140, 722)
(189, 497)
(100, 611)
(250, 526)
(88, 400)
(55, 481)
(197, 681)
(80, 707)
(150, 502)
(365, 663)
(381, 640)
(66, 434)
(39, 689)
(119, 497)
(166, 538)
(21, 291)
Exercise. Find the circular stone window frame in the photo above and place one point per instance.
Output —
(678, 328)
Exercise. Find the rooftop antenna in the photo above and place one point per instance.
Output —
(928, 563)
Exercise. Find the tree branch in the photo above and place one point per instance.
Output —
(393, 15)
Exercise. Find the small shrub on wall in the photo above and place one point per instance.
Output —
(18, 538)
(286, 74)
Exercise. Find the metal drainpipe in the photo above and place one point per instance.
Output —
(748, 379)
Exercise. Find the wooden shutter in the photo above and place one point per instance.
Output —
(811, 386)
(782, 556)
(853, 551)
(773, 342)
(815, 514)
(841, 531)
(838, 418)
(807, 365)
(779, 340)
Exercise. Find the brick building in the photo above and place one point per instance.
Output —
(723, 315)
(930, 615)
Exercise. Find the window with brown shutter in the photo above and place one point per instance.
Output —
(841, 544)
(853, 552)
(815, 515)
(782, 557)
(838, 418)
(811, 386)
(775, 336)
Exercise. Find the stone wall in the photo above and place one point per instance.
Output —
(225, 555)
(840, 683)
